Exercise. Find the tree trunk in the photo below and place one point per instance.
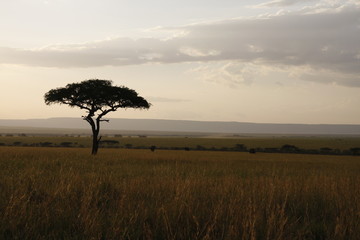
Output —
(95, 144)
(96, 138)
(95, 133)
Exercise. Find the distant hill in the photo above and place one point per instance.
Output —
(188, 126)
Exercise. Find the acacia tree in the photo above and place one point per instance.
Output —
(98, 98)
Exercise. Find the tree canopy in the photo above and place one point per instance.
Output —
(96, 97)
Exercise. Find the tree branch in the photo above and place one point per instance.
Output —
(103, 113)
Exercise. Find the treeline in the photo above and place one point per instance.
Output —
(242, 148)
(287, 148)
(43, 144)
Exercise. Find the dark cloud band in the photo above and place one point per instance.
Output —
(326, 39)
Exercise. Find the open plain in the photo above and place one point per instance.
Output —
(65, 193)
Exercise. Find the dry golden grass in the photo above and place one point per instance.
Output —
(54, 193)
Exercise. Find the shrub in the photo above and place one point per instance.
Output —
(66, 144)
(109, 142)
(289, 148)
(199, 147)
(240, 147)
(45, 144)
(355, 151)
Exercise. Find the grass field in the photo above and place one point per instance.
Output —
(64, 193)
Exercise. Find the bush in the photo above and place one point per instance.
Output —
(355, 151)
(271, 150)
(45, 144)
(199, 147)
(240, 147)
(66, 144)
(326, 150)
(289, 148)
(109, 142)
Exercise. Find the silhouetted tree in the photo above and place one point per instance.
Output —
(98, 98)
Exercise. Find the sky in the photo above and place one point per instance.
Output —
(264, 61)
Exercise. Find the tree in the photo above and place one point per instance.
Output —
(98, 98)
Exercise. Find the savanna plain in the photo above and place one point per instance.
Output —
(121, 193)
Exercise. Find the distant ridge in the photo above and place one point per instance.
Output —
(188, 126)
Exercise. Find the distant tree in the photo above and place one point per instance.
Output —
(128, 145)
(240, 147)
(66, 144)
(109, 142)
(98, 98)
(289, 148)
(355, 151)
(17, 143)
(45, 144)
(252, 150)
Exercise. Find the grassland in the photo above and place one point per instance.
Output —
(64, 193)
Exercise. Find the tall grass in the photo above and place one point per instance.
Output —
(48, 193)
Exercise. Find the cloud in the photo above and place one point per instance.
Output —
(192, 52)
(281, 3)
(323, 38)
(328, 76)
(231, 73)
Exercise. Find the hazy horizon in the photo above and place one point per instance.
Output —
(260, 61)
(165, 119)
(163, 125)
